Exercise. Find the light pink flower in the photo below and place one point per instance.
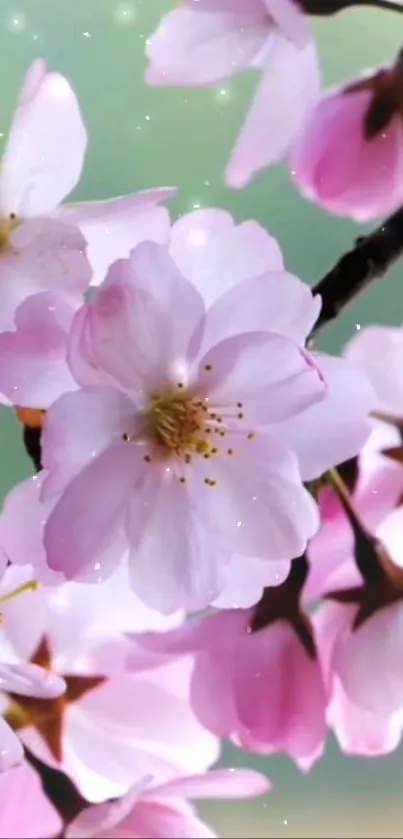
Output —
(41, 247)
(140, 336)
(163, 811)
(260, 688)
(377, 489)
(114, 726)
(204, 42)
(360, 729)
(348, 157)
(192, 474)
(25, 811)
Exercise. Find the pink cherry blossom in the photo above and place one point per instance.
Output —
(348, 157)
(41, 165)
(114, 726)
(204, 42)
(377, 490)
(158, 479)
(149, 810)
(25, 811)
(259, 688)
(360, 729)
(210, 349)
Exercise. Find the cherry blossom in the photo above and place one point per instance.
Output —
(22, 679)
(149, 810)
(112, 726)
(25, 811)
(41, 246)
(241, 686)
(362, 177)
(204, 42)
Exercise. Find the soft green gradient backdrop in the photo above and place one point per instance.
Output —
(142, 137)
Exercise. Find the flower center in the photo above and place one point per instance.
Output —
(7, 225)
(175, 423)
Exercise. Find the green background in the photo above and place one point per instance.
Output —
(143, 137)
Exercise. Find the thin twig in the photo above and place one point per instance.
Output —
(369, 260)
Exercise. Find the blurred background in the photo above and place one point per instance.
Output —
(142, 137)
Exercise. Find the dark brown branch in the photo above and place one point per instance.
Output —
(324, 8)
(369, 260)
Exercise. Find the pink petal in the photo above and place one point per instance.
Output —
(198, 48)
(332, 430)
(30, 680)
(21, 544)
(112, 228)
(267, 373)
(154, 270)
(160, 820)
(288, 89)
(146, 728)
(37, 816)
(258, 506)
(132, 317)
(291, 19)
(174, 563)
(216, 254)
(99, 818)
(84, 532)
(368, 662)
(378, 350)
(360, 179)
(33, 363)
(45, 255)
(11, 751)
(286, 306)
(280, 695)
(245, 578)
(44, 155)
(79, 427)
(218, 783)
(358, 730)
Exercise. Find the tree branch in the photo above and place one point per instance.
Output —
(369, 260)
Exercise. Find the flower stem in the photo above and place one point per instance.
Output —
(369, 260)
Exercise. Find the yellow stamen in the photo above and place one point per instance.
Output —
(31, 585)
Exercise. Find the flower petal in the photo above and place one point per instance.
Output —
(33, 363)
(174, 564)
(333, 430)
(258, 506)
(280, 695)
(368, 662)
(30, 680)
(11, 751)
(285, 306)
(24, 544)
(197, 48)
(244, 581)
(37, 816)
(288, 88)
(112, 228)
(45, 255)
(84, 533)
(268, 374)
(218, 783)
(46, 146)
(79, 427)
(216, 254)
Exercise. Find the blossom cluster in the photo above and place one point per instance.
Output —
(209, 549)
